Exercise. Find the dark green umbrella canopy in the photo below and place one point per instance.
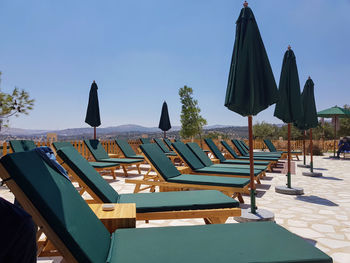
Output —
(164, 122)
(251, 85)
(334, 111)
(93, 111)
(289, 108)
(309, 119)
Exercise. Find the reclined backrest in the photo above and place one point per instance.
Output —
(238, 146)
(188, 156)
(162, 145)
(194, 147)
(59, 145)
(159, 160)
(168, 142)
(125, 148)
(88, 174)
(60, 204)
(270, 145)
(229, 149)
(22, 145)
(96, 149)
(215, 150)
(145, 140)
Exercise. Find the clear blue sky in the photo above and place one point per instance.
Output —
(141, 52)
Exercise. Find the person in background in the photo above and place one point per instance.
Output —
(343, 145)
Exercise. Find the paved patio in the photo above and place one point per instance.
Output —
(321, 215)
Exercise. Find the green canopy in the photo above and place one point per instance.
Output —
(289, 108)
(164, 122)
(93, 110)
(251, 85)
(334, 112)
(309, 119)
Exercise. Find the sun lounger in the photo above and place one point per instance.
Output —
(194, 147)
(145, 140)
(211, 205)
(126, 149)
(237, 159)
(100, 155)
(245, 151)
(103, 167)
(244, 155)
(168, 143)
(168, 178)
(22, 145)
(79, 236)
(197, 167)
(273, 149)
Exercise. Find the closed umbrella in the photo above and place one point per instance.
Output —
(164, 122)
(251, 85)
(93, 110)
(336, 113)
(309, 118)
(289, 108)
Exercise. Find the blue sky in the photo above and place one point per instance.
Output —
(141, 52)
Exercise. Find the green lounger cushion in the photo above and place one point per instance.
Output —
(170, 154)
(176, 201)
(227, 171)
(208, 163)
(127, 149)
(22, 145)
(102, 165)
(188, 156)
(122, 160)
(246, 151)
(145, 140)
(61, 205)
(159, 160)
(59, 145)
(239, 147)
(168, 143)
(214, 243)
(162, 146)
(210, 180)
(88, 174)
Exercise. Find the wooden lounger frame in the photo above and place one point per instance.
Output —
(164, 186)
(213, 216)
(257, 178)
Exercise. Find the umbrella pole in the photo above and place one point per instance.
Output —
(311, 154)
(164, 134)
(289, 184)
(304, 147)
(94, 133)
(335, 134)
(251, 162)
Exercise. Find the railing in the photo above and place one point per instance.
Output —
(111, 147)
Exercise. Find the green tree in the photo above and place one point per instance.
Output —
(191, 121)
(264, 130)
(216, 135)
(14, 104)
(344, 125)
(295, 134)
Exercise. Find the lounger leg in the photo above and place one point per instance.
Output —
(137, 188)
(125, 171)
(113, 174)
(138, 168)
(218, 220)
(207, 221)
(240, 198)
(257, 180)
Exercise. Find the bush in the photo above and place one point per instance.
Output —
(316, 150)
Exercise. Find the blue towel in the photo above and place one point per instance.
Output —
(49, 157)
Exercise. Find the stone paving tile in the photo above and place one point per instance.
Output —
(321, 215)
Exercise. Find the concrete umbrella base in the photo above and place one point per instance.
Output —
(289, 191)
(260, 215)
(304, 165)
(312, 174)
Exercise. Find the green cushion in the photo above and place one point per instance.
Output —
(145, 140)
(246, 150)
(59, 145)
(215, 150)
(238, 146)
(168, 142)
(175, 201)
(210, 180)
(102, 165)
(96, 149)
(229, 149)
(159, 160)
(270, 145)
(122, 160)
(22, 145)
(162, 145)
(127, 149)
(227, 171)
(188, 156)
(264, 242)
(239, 166)
(60, 204)
(201, 155)
(88, 174)
(170, 154)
